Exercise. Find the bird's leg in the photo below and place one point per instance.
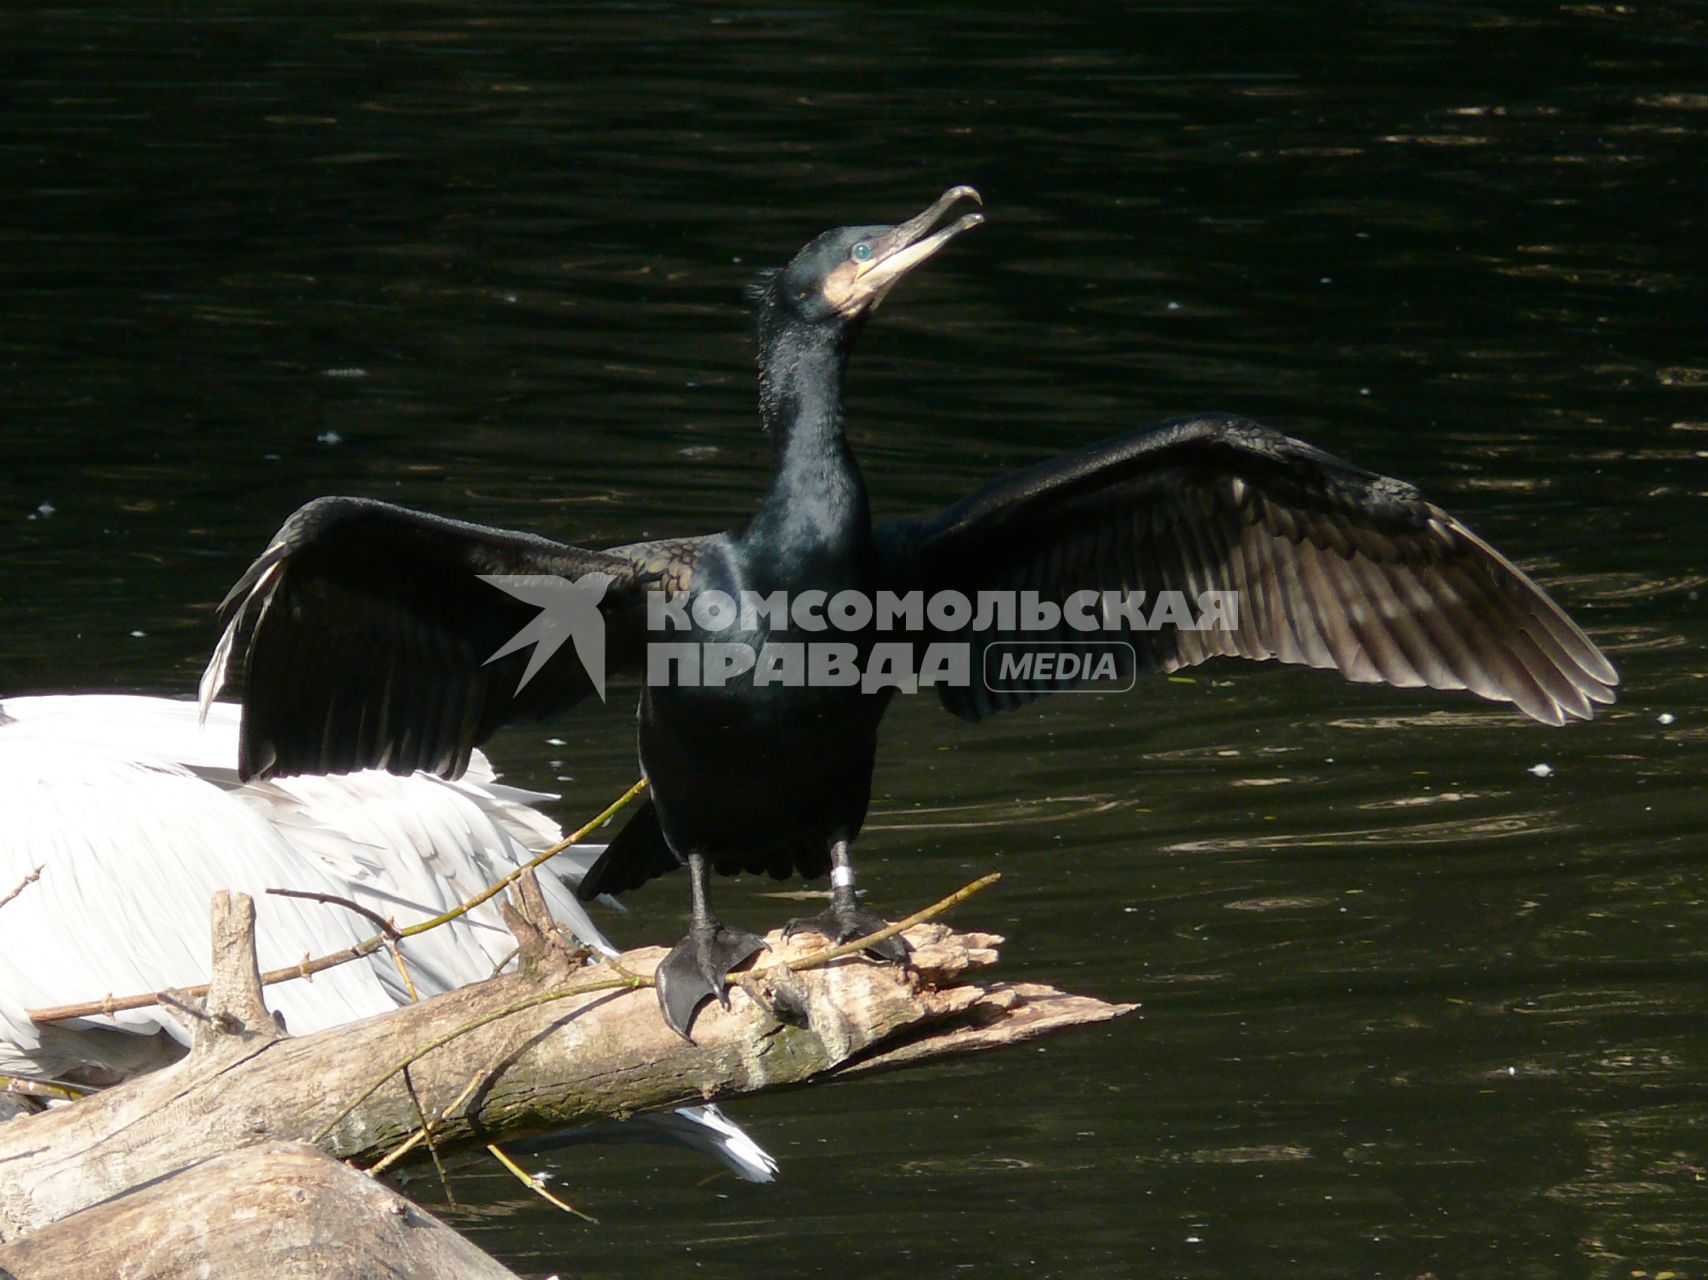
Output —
(695, 968)
(847, 919)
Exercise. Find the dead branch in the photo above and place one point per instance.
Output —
(23, 884)
(334, 900)
(546, 1063)
(235, 1009)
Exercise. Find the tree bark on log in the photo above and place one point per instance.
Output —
(278, 1209)
(582, 1058)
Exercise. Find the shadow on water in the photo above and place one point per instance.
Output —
(1409, 1007)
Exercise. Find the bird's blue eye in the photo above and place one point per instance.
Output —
(860, 252)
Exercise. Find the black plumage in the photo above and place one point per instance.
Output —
(363, 634)
(1339, 568)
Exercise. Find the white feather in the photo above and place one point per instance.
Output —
(132, 809)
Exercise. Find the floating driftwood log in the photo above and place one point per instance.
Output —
(557, 1044)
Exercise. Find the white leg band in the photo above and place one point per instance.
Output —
(842, 877)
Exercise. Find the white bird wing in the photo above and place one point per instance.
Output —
(463, 834)
(131, 725)
(130, 853)
(132, 809)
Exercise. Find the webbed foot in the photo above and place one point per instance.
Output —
(695, 968)
(845, 924)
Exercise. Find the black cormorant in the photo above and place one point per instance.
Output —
(364, 634)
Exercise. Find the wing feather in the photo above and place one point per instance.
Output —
(1332, 567)
(364, 637)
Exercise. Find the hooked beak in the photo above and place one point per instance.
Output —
(906, 246)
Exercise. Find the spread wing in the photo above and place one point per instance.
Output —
(367, 636)
(1332, 567)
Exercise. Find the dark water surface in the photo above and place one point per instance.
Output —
(1408, 1008)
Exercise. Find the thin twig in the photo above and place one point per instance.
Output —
(386, 926)
(304, 968)
(23, 884)
(533, 1184)
(427, 1137)
(400, 1150)
(44, 1089)
(414, 1140)
(474, 1024)
(180, 1003)
(307, 968)
(539, 859)
(333, 900)
(821, 958)
(403, 969)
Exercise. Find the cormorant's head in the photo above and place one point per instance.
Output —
(844, 273)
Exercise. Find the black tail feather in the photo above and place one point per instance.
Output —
(638, 854)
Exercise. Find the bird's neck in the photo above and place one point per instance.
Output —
(816, 502)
